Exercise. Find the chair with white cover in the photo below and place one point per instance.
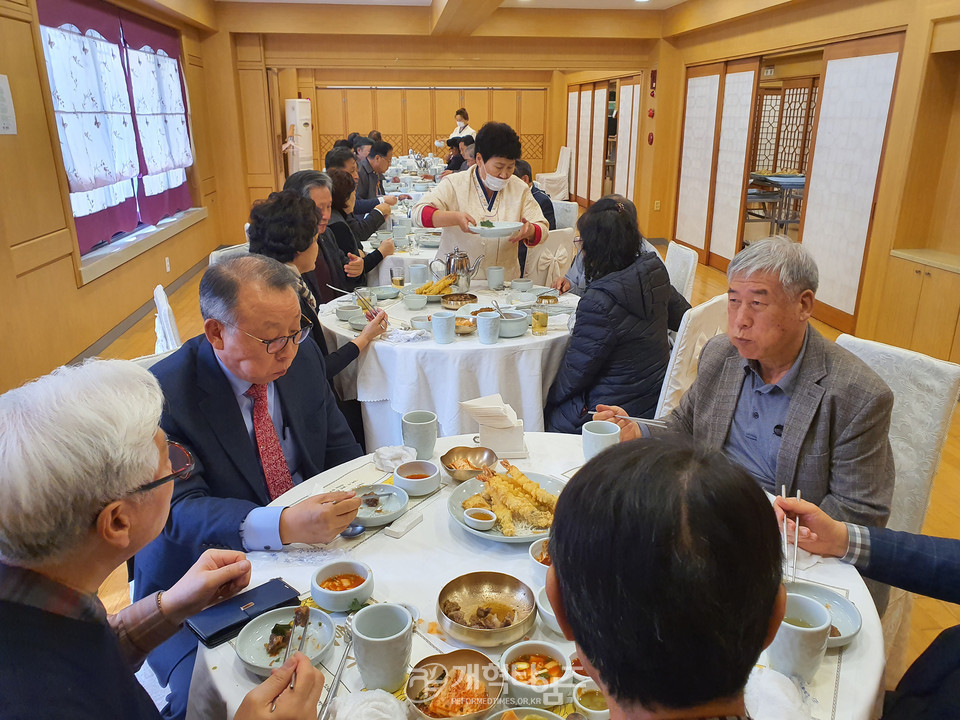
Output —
(168, 337)
(699, 324)
(681, 263)
(924, 396)
(148, 361)
(556, 184)
(551, 259)
(565, 213)
(221, 254)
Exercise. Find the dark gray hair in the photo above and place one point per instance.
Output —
(780, 256)
(303, 181)
(220, 284)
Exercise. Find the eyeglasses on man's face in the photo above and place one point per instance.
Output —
(275, 345)
(182, 463)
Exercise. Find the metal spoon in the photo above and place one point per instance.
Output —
(497, 306)
(348, 634)
(353, 530)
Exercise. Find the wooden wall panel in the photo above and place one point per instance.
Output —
(446, 103)
(503, 107)
(359, 110)
(31, 196)
(418, 122)
(256, 121)
(532, 126)
(389, 111)
(329, 120)
(476, 103)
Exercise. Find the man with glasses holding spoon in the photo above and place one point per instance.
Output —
(250, 400)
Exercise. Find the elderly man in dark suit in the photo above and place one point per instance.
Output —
(918, 564)
(249, 399)
(791, 407)
(371, 170)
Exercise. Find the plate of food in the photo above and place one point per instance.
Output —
(263, 641)
(380, 504)
(495, 228)
(844, 617)
(434, 290)
(463, 684)
(523, 503)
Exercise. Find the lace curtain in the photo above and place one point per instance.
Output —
(161, 119)
(94, 119)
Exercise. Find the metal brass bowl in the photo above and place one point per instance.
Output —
(470, 661)
(488, 588)
(547, 299)
(479, 456)
(463, 327)
(454, 301)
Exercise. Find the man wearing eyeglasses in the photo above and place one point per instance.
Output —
(86, 478)
(249, 398)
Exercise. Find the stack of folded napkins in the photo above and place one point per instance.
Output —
(500, 430)
(370, 705)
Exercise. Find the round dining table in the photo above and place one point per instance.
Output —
(413, 568)
(393, 378)
(404, 258)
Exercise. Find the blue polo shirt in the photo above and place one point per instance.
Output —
(754, 438)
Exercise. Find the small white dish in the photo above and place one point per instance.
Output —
(341, 600)
(252, 640)
(579, 674)
(500, 229)
(420, 322)
(521, 691)
(418, 486)
(392, 503)
(589, 686)
(539, 569)
(844, 615)
(345, 312)
(479, 519)
(547, 614)
(358, 322)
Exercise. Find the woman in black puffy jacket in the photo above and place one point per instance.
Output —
(618, 349)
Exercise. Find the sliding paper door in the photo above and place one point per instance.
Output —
(598, 148)
(629, 103)
(583, 144)
(739, 91)
(696, 160)
(573, 115)
(855, 100)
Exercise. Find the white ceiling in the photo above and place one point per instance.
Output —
(567, 4)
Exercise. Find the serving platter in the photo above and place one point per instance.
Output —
(473, 486)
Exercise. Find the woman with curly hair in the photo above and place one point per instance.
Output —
(284, 227)
(618, 348)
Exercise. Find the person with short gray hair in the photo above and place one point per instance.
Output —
(86, 476)
(791, 407)
(249, 398)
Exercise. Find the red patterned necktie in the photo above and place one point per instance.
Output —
(268, 444)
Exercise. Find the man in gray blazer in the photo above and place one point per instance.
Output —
(371, 170)
(775, 396)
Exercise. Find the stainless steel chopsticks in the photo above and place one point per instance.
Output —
(646, 421)
(791, 570)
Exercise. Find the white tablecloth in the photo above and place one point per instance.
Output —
(380, 275)
(413, 569)
(393, 379)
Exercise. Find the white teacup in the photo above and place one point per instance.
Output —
(522, 284)
(495, 275)
(598, 435)
(382, 641)
(419, 430)
(801, 641)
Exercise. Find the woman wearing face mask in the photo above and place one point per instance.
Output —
(487, 191)
(463, 125)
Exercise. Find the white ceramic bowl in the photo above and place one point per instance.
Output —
(547, 614)
(539, 569)
(522, 691)
(417, 486)
(255, 634)
(420, 322)
(585, 687)
(340, 600)
(358, 322)
(513, 323)
(480, 518)
(385, 292)
(522, 285)
(345, 312)
(577, 676)
(421, 187)
(414, 301)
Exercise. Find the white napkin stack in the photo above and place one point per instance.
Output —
(369, 705)
(390, 457)
(769, 695)
(401, 336)
(500, 430)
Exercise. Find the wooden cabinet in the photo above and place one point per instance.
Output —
(922, 309)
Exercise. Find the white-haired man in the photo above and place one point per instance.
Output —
(86, 476)
(779, 399)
